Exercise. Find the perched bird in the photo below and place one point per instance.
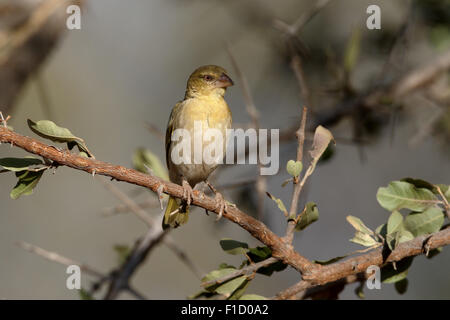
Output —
(203, 101)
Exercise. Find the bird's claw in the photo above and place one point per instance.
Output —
(221, 204)
(188, 193)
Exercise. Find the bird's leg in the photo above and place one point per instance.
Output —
(221, 204)
(188, 193)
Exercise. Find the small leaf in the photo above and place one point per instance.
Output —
(217, 274)
(363, 239)
(401, 286)
(19, 164)
(310, 215)
(49, 130)
(352, 50)
(233, 247)
(202, 294)
(294, 168)
(322, 138)
(279, 203)
(259, 254)
(239, 291)
(358, 225)
(252, 297)
(419, 183)
(144, 159)
(393, 226)
(400, 194)
(84, 295)
(427, 222)
(229, 287)
(27, 182)
(394, 222)
(359, 291)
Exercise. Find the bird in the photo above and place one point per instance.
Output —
(203, 101)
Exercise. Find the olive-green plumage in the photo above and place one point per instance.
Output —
(204, 101)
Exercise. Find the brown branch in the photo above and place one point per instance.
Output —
(280, 249)
(356, 265)
(297, 185)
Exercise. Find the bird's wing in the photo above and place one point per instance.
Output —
(169, 129)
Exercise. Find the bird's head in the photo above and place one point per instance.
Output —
(208, 80)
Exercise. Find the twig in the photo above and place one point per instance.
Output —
(56, 257)
(297, 186)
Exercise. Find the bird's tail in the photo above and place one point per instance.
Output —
(176, 213)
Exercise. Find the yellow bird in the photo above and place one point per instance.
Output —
(203, 103)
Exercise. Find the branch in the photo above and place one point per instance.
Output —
(280, 249)
(297, 185)
(340, 270)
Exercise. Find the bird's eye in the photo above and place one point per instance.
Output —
(207, 77)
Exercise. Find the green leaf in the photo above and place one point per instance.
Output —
(239, 291)
(19, 164)
(27, 182)
(358, 225)
(419, 183)
(429, 221)
(359, 291)
(363, 239)
(49, 130)
(202, 294)
(400, 194)
(84, 295)
(401, 286)
(252, 297)
(279, 202)
(259, 254)
(216, 274)
(391, 275)
(233, 247)
(144, 159)
(229, 287)
(310, 215)
(394, 224)
(294, 168)
(352, 50)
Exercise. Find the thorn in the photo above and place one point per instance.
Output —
(207, 212)
(93, 173)
(149, 170)
(159, 192)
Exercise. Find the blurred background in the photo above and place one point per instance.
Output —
(122, 72)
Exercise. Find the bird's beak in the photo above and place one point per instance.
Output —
(224, 81)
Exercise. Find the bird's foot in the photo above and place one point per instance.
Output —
(188, 193)
(221, 205)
